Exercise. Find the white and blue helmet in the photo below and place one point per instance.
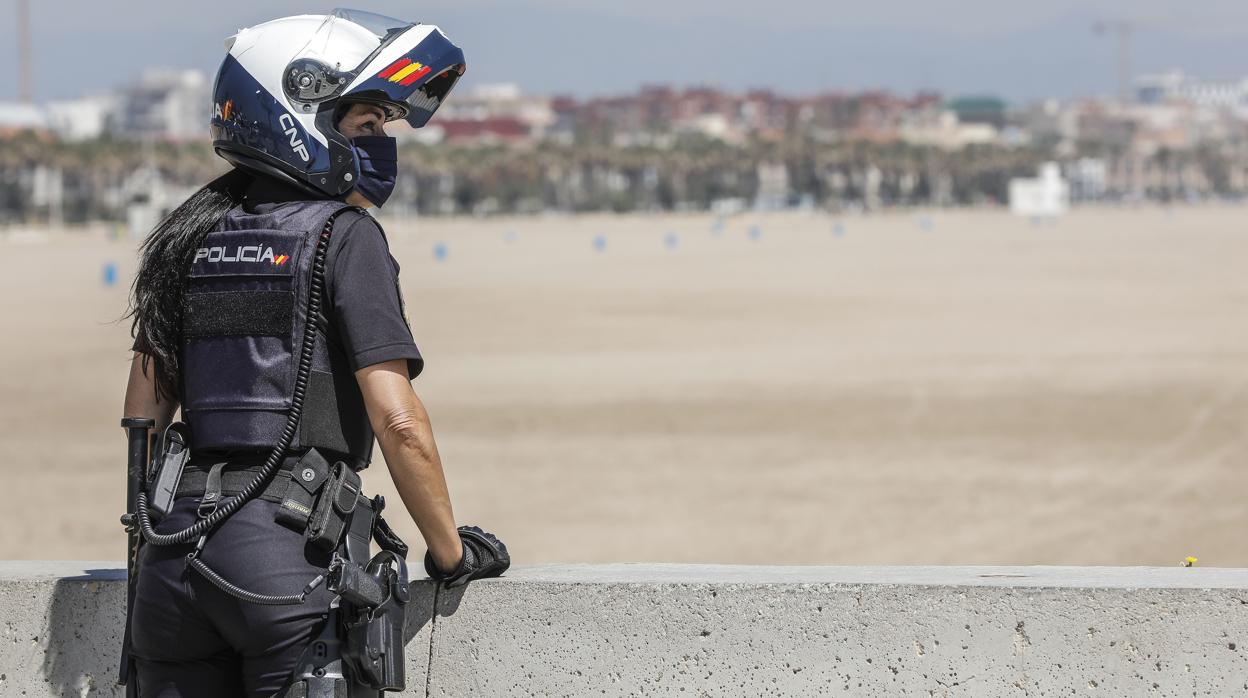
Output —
(278, 89)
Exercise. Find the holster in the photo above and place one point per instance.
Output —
(372, 602)
(321, 671)
(361, 651)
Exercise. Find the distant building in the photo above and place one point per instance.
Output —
(979, 110)
(495, 113)
(81, 119)
(1089, 179)
(1046, 196)
(877, 116)
(943, 130)
(166, 104)
(487, 130)
(712, 125)
(1175, 86)
(20, 116)
(773, 187)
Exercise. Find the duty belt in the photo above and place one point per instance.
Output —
(314, 497)
(232, 478)
(297, 487)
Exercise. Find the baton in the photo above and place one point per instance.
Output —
(136, 471)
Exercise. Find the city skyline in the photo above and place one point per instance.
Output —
(1020, 53)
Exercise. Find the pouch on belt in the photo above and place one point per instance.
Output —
(307, 477)
(333, 509)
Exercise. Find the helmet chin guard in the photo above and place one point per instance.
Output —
(279, 88)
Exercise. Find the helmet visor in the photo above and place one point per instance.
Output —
(346, 39)
(382, 27)
(411, 76)
(404, 67)
(343, 44)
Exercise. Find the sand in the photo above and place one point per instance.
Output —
(960, 387)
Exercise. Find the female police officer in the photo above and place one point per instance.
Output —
(267, 308)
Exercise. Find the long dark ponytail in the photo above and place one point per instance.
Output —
(156, 295)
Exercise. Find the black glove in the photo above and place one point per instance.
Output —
(484, 556)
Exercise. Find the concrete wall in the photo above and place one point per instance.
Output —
(623, 630)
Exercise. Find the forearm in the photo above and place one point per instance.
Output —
(412, 457)
(402, 427)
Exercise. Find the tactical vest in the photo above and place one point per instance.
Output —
(244, 312)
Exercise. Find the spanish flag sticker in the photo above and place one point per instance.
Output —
(404, 71)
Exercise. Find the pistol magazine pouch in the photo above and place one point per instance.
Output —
(333, 510)
(170, 460)
(307, 477)
(320, 499)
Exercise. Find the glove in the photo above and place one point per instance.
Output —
(484, 556)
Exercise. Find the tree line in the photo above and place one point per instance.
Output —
(98, 180)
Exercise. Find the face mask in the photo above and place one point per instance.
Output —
(378, 159)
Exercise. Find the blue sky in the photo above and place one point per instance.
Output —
(1019, 50)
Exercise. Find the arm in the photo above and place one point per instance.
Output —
(406, 438)
(141, 396)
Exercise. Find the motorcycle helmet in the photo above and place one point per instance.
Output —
(277, 95)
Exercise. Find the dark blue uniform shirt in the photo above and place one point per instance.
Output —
(361, 284)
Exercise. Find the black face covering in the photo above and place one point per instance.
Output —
(378, 158)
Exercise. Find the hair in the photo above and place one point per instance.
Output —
(155, 305)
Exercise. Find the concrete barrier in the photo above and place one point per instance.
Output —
(623, 630)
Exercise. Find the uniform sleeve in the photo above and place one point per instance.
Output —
(366, 302)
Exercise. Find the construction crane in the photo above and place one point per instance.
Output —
(1122, 29)
(24, 85)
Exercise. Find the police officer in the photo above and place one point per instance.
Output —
(267, 308)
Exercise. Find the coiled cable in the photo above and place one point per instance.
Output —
(250, 596)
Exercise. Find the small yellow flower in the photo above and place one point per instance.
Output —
(1188, 561)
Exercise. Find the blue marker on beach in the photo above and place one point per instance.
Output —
(671, 240)
(600, 243)
(110, 273)
(440, 251)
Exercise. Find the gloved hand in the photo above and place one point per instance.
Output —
(484, 556)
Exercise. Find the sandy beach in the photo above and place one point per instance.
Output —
(944, 387)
